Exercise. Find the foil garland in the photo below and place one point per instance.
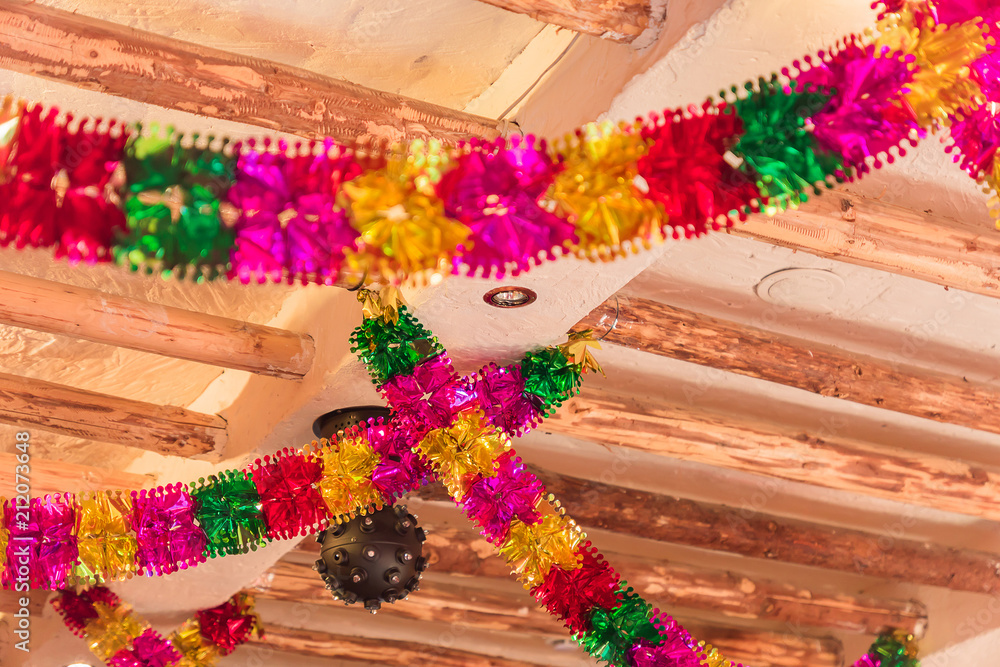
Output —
(121, 638)
(322, 212)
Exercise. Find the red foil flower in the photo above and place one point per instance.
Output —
(572, 594)
(227, 626)
(56, 189)
(686, 170)
(290, 502)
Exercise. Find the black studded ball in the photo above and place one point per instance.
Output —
(373, 558)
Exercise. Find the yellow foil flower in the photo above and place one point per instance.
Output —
(942, 84)
(466, 448)
(532, 550)
(599, 191)
(347, 484)
(402, 223)
(4, 536)
(114, 629)
(107, 545)
(194, 651)
(712, 657)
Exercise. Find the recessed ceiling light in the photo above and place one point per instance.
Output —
(79, 664)
(510, 297)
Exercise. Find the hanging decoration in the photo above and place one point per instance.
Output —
(257, 211)
(121, 638)
(896, 649)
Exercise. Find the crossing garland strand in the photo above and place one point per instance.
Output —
(121, 638)
(204, 207)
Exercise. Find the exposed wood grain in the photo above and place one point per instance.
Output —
(891, 238)
(153, 69)
(757, 535)
(822, 369)
(436, 602)
(668, 586)
(746, 444)
(618, 20)
(760, 649)
(86, 414)
(771, 649)
(372, 651)
(92, 315)
(50, 476)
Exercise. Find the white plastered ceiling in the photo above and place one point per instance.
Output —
(449, 53)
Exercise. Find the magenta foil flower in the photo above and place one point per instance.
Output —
(401, 469)
(149, 649)
(512, 492)
(495, 191)
(289, 224)
(166, 534)
(976, 133)
(46, 539)
(863, 118)
(500, 393)
(428, 398)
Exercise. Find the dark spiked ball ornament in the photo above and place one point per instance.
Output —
(373, 558)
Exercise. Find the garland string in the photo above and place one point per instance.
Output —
(205, 207)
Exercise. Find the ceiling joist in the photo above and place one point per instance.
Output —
(822, 369)
(748, 445)
(667, 585)
(618, 20)
(766, 536)
(857, 230)
(100, 317)
(149, 68)
(79, 413)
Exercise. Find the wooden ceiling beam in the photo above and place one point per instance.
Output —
(51, 476)
(666, 585)
(617, 20)
(867, 232)
(761, 649)
(749, 445)
(822, 369)
(387, 652)
(767, 536)
(149, 68)
(164, 429)
(135, 324)
(756, 534)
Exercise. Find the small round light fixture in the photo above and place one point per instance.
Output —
(510, 297)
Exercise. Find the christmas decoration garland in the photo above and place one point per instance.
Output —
(895, 649)
(120, 638)
(64, 539)
(204, 207)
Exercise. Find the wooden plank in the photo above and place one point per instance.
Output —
(751, 647)
(771, 649)
(763, 448)
(822, 369)
(666, 585)
(92, 315)
(149, 68)
(386, 652)
(164, 429)
(51, 476)
(618, 20)
(760, 535)
(437, 601)
(891, 238)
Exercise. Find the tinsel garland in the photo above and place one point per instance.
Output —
(121, 638)
(464, 437)
(111, 535)
(895, 649)
(255, 211)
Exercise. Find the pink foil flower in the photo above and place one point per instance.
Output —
(166, 534)
(864, 117)
(512, 492)
(495, 191)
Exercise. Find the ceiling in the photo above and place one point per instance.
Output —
(451, 53)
